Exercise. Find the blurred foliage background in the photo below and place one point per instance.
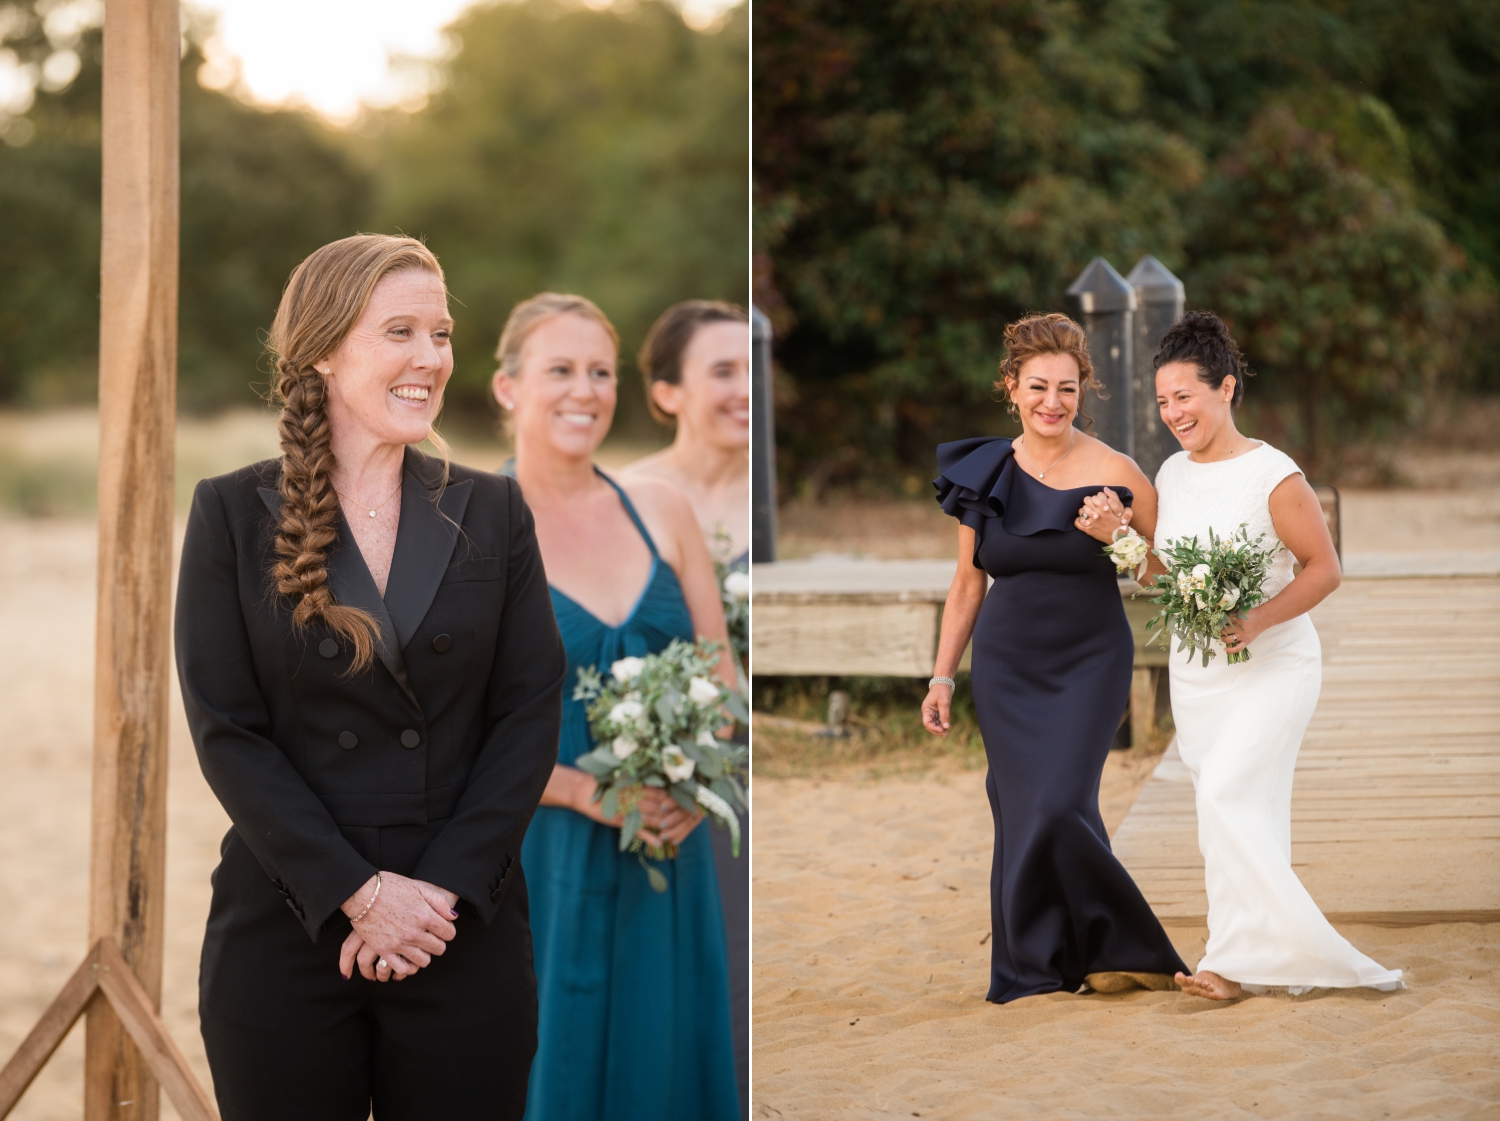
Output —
(1325, 174)
(596, 151)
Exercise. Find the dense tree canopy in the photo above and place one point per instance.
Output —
(602, 152)
(1320, 173)
(597, 151)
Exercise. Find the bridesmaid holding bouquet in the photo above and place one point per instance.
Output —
(632, 983)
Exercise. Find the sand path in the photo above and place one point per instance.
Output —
(46, 693)
(871, 962)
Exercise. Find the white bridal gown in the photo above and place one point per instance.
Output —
(1239, 729)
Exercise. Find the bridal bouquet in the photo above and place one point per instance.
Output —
(1203, 587)
(654, 720)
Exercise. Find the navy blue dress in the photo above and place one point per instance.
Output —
(1051, 677)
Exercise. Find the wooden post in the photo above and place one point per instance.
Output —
(137, 410)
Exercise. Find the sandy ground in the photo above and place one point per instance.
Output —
(871, 963)
(46, 692)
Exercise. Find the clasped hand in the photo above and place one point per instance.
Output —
(410, 923)
(1102, 514)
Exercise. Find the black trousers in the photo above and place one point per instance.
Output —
(289, 1039)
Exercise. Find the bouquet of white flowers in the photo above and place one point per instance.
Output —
(655, 721)
(1202, 588)
(1127, 550)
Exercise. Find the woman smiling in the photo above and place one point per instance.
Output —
(371, 670)
(1051, 670)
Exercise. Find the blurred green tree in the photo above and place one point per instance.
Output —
(601, 152)
(260, 190)
(1336, 284)
(928, 171)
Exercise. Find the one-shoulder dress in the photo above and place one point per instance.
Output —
(1050, 673)
(632, 984)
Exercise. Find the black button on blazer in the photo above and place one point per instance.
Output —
(296, 747)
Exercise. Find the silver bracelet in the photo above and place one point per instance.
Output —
(370, 904)
(948, 681)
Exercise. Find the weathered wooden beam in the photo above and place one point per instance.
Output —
(49, 1032)
(138, 1014)
(137, 399)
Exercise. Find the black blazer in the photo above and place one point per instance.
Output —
(458, 718)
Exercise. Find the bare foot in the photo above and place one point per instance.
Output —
(1209, 985)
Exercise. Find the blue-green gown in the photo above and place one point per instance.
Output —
(633, 984)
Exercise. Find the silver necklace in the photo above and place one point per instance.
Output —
(1039, 474)
(388, 497)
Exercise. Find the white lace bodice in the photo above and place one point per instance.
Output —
(1192, 497)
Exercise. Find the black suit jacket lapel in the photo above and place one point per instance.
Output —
(352, 585)
(424, 542)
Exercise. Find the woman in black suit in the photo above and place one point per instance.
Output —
(372, 675)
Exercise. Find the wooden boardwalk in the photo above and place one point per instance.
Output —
(1396, 806)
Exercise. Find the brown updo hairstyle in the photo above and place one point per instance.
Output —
(323, 300)
(1053, 333)
(660, 358)
(1202, 339)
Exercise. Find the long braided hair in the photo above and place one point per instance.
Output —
(323, 300)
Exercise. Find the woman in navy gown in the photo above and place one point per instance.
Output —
(1051, 672)
(633, 984)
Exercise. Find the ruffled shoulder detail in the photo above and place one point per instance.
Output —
(979, 478)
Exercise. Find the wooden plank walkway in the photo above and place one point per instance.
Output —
(1396, 805)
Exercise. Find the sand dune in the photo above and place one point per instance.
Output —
(871, 964)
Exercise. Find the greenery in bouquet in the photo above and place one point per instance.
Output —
(1204, 587)
(734, 592)
(656, 722)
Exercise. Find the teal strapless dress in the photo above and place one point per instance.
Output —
(633, 984)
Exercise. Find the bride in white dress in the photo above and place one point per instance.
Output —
(1240, 727)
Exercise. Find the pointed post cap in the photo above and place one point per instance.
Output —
(1100, 289)
(761, 324)
(1155, 283)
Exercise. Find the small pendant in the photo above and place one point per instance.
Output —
(1041, 474)
(372, 513)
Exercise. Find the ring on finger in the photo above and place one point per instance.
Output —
(383, 964)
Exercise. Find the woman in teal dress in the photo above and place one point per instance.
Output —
(632, 984)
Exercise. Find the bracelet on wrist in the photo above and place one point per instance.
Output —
(371, 903)
(948, 681)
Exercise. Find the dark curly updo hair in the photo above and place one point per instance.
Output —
(1201, 338)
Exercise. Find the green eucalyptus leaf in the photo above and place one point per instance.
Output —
(630, 828)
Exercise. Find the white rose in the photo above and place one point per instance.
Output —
(627, 669)
(737, 584)
(1201, 573)
(623, 747)
(627, 713)
(705, 738)
(677, 766)
(703, 691)
(1230, 598)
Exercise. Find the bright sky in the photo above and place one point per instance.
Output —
(331, 55)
